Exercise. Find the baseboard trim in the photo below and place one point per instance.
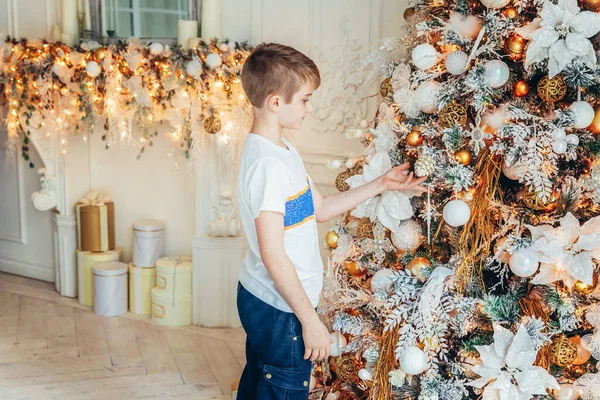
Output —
(27, 268)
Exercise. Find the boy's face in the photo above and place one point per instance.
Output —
(293, 113)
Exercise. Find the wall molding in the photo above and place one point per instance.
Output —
(29, 268)
(22, 237)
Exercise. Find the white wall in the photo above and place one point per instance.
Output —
(335, 33)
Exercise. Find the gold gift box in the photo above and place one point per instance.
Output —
(96, 226)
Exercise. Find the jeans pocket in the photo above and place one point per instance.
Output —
(283, 383)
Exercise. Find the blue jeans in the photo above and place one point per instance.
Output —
(275, 365)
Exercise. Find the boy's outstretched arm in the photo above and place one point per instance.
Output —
(333, 205)
(269, 230)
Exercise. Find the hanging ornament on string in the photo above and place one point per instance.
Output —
(595, 125)
(457, 62)
(212, 124)
(559, 146)
(424, 166)
(553, 89)
(413, 360)
(521, 88)
(584, 114)
(533, 201)
(382, 280)
(338, 344)
(417, 267)
(496, 73)
(463, 157)
(453, 114)
(354, 268)
(584, 288)
(409, 236)
(564, 352)
(100, 54)
(414, 138)
(425, 56)
(515, 46)
(93, 69)
(331, 239)
(510, 12)
(213, 61)
(456, 213)
(524, 263)
(582, 354)
(409, 14)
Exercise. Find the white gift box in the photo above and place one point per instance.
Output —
(148, 242)
(110, 289)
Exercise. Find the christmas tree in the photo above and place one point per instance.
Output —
(486, 286)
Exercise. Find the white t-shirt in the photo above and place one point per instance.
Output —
(272, 178)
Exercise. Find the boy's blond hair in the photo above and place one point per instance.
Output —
(276, 68)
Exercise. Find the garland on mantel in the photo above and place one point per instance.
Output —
(52, 88)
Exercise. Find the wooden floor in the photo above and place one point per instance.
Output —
(51, 347)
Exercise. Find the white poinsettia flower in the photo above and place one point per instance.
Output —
(562, 36)
(566, 252)
(391, 207)
(404, 96)
(507, 371)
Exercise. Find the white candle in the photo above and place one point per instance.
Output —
(67, 39)
(103, 18)
(212, 18)
(185, 31)
(69, 18)
(193, 42)
(56, 32)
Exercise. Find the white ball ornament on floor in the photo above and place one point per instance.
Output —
(413, 360)
(456, 213)
(495, 4)
(338, 345)
(425, 56)
(584, 114)
(559, 147)
(496, 73)
(365, 375)
(213, 60)
(93, 69)
(524, 263)
(382, 280)
(409, 236)
(426, 96)
(456, 62)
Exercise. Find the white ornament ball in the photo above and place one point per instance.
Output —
(382, 280)
(426, 96)
(338, 345)
(409, 236)
(156, 48)
(496, 73)
(349, 163)
(224, 47)
(584, 114)
(365, 375)
(524, 263)
(559, 146)
(559, 134)
(93, 69)
(194, 68)
(413, 360)
(213, 60)
(336, 164)
(456, 62)
(567, 392)
(364, 124)
(456, 213)
(495, 4)
(572, 139)
(425, 56)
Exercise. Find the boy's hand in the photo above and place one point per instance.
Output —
(397, 179)
(317, 341)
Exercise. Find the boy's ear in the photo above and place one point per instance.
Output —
(273, 102)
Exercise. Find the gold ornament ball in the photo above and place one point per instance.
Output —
(409, 13)
(416, 267)
(453, 114)
(595, 125)
(100, 53)
(515, 46)
(463, 157)
(552, 90)
(582, 354)
(354, 269)
(521, 89)
(386, 88)
(212, 125)
(533, 202)
(414, 138)
(510, 12)
(340, 181)
(592, 5)
(332, 239)
(583, 288)
(564, 351)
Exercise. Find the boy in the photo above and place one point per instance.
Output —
(281, 276)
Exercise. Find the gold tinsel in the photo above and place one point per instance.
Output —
(382, 388)
(475, 240)
(365, 229)
(346, 368)
(453, 114)
(564, 351)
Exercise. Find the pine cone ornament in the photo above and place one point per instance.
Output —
(424, 166)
